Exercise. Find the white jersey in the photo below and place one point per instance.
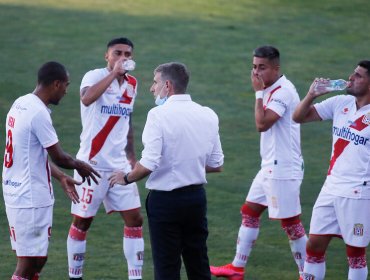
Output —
(105, 123)
(280, 146)
(26, 171)
(349, 170)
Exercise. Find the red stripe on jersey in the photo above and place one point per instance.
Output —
(358, 124)
(271, 93)
(340, 145)
(99, 140)
(131, 80)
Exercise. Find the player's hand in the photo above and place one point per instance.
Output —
(117, 68)
(116, 178)
(257, 82)
(318, 87)
(68, 186)
(87, 172)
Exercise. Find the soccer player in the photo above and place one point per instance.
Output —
(181, 143)
(343, 205)
(277, 184)
(107, 99)
(26, 181)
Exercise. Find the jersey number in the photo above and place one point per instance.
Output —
(87, 195)
(8, 158)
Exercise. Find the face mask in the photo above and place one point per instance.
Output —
(160, 101)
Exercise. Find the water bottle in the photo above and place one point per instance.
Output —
(332, 85)
(129, 65)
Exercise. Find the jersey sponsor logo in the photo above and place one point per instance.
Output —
(11, 183)
(345, 137)
(358, 229)
(19, 107)
(346, 134)
(116, 110)
(281, 102)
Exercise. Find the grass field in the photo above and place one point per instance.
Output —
(215, 38)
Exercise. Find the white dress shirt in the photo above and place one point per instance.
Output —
(180, 139)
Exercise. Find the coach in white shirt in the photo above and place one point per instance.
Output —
(181, 143)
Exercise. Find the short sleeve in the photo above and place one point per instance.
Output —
(280, 101)
(43, 128)
(90, 79)
(325, 108)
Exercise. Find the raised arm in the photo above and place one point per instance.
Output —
(305, 111)
(264, 119)
(90, 94)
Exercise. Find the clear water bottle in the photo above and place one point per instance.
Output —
(129, 65)
(331, 85)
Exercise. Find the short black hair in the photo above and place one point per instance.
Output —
(51, 71)
(269, 52)
(365, 64)
(121, 40)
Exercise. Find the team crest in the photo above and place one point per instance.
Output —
(366, 119)
(358, 229)
(345, 110)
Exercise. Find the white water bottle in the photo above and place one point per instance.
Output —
(129, 65)
(332, 85)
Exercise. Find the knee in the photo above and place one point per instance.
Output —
(133, 219)
(250, 217)
(253, 210)
(82, 223)
(293, 227)
(355, 251)
(316, 245)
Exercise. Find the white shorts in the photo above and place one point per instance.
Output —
(342, 216)
(280, 196)
(117, 198)
(30, 230)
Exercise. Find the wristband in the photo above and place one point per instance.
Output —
(259, 94)
(126, 179)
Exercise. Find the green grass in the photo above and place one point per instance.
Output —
(215, 38)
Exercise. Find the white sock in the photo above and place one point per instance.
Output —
(246, 239)
(314, 270)
(76, 249)
(357, 267)
(133, 249)
(298, 248)
(357, 273)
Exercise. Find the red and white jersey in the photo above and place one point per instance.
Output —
(26, 172)
(280, 146)
(349, 169)
(105, 123)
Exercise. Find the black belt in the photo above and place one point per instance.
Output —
(183, 189)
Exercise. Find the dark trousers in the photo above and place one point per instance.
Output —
(178, 227)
